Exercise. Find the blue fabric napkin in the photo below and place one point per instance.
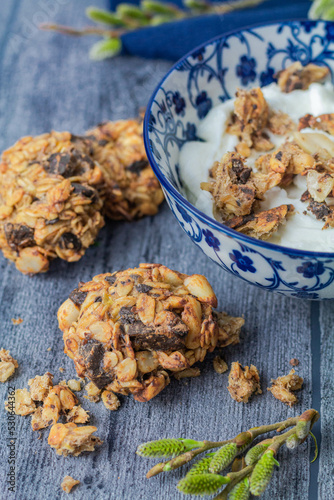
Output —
(171, 41)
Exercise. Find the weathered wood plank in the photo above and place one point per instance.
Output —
(50, 83)
(326, 476)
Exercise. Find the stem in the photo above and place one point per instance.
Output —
(90, 30)
(134, 26)
(235, 477)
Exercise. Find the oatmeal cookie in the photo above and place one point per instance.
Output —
(130, 187)
(49, 203)
(128, 331)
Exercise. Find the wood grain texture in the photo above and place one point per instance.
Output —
(47, 82)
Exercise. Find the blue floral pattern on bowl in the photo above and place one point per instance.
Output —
(203, 79)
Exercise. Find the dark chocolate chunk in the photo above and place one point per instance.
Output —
(98, 299)
(111, 279)
(143, 288)
(77, 297)
(320, 210)
(146, 337)
(86, 191)
(137, 166)
(68, 164)
(19, 236)
(70, 241)
(127, 316)
(92, 353)
(52, 221)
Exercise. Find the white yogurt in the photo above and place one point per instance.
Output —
(196, 158)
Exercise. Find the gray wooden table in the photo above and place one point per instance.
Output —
(47, 82)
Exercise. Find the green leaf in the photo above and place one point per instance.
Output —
(103, 49)
(202, 484)
(262, 473)
(104, 17)
(322, 9)
(223, 457)
(316, 451)
(197, 5)
(158, 20)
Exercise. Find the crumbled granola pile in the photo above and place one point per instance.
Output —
(282, 388)
(243, 382)
(49, 204)
(298, 77)
(8, 365)
(237, 190)
(131, 189)
(129, 330)
(68, 483)
(57, 400)
(69, 439)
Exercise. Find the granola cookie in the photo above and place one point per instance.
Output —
(131, 188)
(128, 331)
(49, 203)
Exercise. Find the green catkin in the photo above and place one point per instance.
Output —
(202, 484)
(200, 467)
(292, 442)
(161, 448)
(240, 491)
(262, 473)
(303, 428)
(223, 457)
(167, 447)
(254, 453)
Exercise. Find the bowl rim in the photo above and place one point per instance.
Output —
(213, 223)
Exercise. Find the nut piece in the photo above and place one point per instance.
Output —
(68, 483)
(74, 385)
(77, 415)
(294, 362)
(298, 77)
(133, 328)
(68, 439)
(110, 400)
(219, 365)
(130, 187)
(7, 365)
(282, 388)
(93, 392)
(188, 373)
(40, 386)
(23, 404)
(243, 382)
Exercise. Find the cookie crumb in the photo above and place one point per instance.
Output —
(220, 366)
(188, 373)
(68, 483)
(17, 321)
(243, 382)
(294, 362)
(49, 349)
(110, 400)
(282, 388)
(74, 385)
(61, 369)
(8, 365)
(93, 392)
(69, 439)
